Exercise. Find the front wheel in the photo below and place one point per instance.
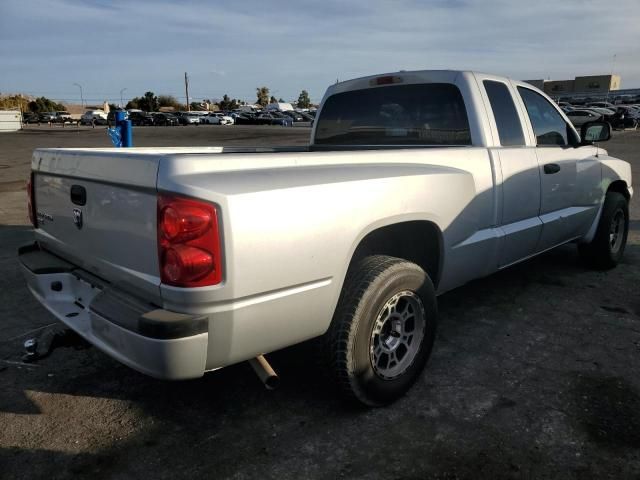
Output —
(607, 247)
(383, 330)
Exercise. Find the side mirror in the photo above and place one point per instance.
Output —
(592, 132)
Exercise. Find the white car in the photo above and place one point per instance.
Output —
(191, 119)
(217, 119)
(99, 116)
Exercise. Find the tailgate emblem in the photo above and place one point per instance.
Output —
(77, 218)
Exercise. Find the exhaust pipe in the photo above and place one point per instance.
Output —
(264, 371)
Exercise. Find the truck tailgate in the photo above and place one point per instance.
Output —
(98, 211)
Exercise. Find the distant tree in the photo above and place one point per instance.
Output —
(273, 100)
(169, 101)
(148, 103)
(281, 100)
(197, 106)
(151, 101)
(303, 99)
(133, 104)
(225, 103)
(43, 104)
(113, 107)
(263, 96)
(10, 102)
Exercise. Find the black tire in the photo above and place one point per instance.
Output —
(607, 247)
(347, 346)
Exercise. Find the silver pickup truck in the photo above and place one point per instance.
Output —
(179, 261)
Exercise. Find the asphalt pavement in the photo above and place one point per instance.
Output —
(535, 374)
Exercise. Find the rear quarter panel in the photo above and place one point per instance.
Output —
(290, 231)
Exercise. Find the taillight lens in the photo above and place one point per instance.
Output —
(188, 223)
(31, 201)
(386, 80)
(188, 242)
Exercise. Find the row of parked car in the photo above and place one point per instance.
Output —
(47, 117)
(140, 118)
(286, 118)
(619, 116)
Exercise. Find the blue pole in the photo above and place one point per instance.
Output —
(126, 132)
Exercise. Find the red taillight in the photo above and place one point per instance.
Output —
(386, 80)
(190, 222)
(188, 242)
(31, 201)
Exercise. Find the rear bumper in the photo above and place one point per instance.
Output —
(156, 342)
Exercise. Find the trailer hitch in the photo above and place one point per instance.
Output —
(41, 346)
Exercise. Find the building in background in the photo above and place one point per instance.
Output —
(559, 87)
(539, 84)
(599, 84)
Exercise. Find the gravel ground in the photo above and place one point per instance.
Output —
(535, 374)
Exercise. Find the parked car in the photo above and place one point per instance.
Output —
(30, 118)
(139, 119)
(601, 105)
(165, 119)
(93, 117)
(245, 119)
(607, 113)
(582, 116)
(217, 119)
(628, 110)
(62, 117)
(307, 117)
(625, 117)
(273, 118)
(295, 116)
(48, 117)
(189, 119)
(189, 260)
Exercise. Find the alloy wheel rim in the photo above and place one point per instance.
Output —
(616, 231)
(397, 335)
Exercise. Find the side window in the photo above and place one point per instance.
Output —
(505, 113)
(548, 125)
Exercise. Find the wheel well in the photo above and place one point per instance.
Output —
(620, 186)
(417, 241)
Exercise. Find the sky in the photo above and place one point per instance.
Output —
(232, 47)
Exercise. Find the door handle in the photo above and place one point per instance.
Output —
(551, 168)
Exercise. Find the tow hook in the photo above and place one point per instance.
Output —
(265, 373)
(51, 338)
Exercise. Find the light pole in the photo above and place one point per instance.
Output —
(121, 100)
(81, 97)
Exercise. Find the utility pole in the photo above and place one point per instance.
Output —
(81, 96)
(121, 99)
(186, 90)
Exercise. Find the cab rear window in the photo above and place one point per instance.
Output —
(420, 114)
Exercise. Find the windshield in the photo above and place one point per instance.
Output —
(421, 114)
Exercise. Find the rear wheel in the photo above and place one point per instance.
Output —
(382, 331)
(607, 247)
